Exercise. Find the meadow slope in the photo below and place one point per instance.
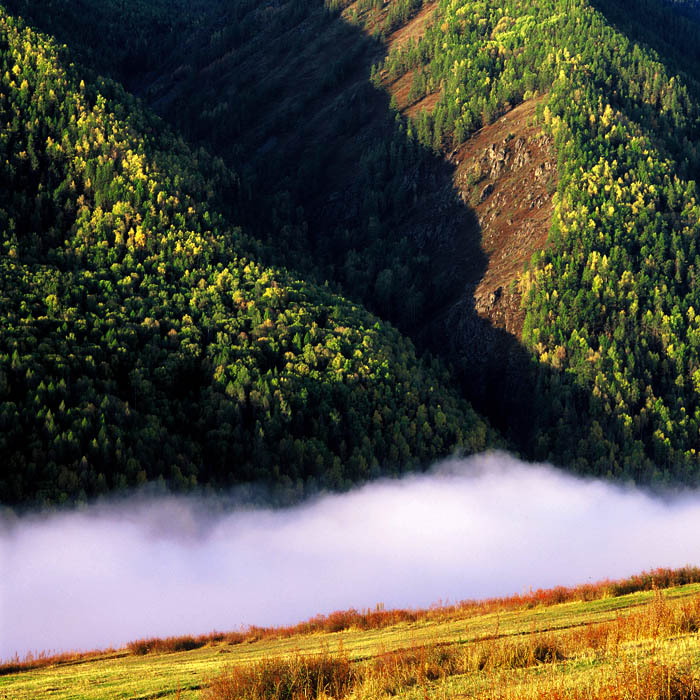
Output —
(593, 641)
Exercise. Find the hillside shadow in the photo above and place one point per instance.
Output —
(670, 32)
(668, 28)
(340, 192)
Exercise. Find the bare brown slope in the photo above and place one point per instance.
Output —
(414, 28)
(400, 90)
(507, 173)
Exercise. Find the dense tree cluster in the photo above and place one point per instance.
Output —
(140, 339)
(613, 301)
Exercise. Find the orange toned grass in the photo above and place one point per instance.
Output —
(649, 680)
(658, 620)
(329, 676)
(172, 644)
(390, 673)
(302, 676)
(653, 681)
(380, 618)
(48, 658)
(646, 679)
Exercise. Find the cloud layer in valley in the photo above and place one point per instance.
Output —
(479, 527)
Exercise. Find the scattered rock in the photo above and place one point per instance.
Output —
(504, 175)
(486, 192)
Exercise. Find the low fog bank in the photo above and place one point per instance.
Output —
(480, 527)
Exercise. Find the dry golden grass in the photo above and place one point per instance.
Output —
(302, 676)
(380, 618)
(583, 642)
(605, 645)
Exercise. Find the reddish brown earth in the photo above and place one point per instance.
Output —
(373, 20)
(415, 27)
(427, 103)
(400, 90)
(507, 173)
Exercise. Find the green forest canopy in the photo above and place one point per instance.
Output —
(147, 336)
(141, 340)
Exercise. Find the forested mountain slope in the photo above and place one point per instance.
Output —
(611, 300)
(141, 339)
(379, 147)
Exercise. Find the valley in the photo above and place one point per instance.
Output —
(295, 246)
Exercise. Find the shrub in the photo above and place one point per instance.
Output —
(301, 676)
(171, 644)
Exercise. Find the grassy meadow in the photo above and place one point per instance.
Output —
(632, 639)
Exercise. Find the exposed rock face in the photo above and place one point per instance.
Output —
(510, 154)
(507, 174)
(486, 303)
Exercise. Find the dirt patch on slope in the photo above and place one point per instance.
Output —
(426, 104)
(507, 174)
(374, 19)
(414, 28)
(400, 90)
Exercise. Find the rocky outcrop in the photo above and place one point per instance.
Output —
(507, 174)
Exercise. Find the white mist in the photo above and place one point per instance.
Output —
(479, 527)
